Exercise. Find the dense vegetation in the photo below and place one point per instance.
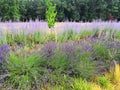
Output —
(77, 61)
(72, 10)
(84, 56)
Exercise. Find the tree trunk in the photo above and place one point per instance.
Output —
(55, 33)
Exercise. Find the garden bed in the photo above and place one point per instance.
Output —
(77, 61)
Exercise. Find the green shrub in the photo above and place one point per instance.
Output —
(59, 61)
(24, 72)
(86, 69)
(100, 51)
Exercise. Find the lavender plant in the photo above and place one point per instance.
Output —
(24, 72)
(48, 50)
(68, 48)
(4, 55)
(100, 52)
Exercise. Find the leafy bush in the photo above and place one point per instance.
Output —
(24, 72)
(56, 57)
(100, 51)
(62, 57)
(77, 59)
(4, 55)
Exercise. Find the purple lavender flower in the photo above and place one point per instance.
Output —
(31, 26)
(48, 49)
(68, 49)
(4, 50)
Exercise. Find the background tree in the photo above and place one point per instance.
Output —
(23, 10)
(9, 10)
(71, 10)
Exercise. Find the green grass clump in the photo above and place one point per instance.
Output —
(117, 34)
(80, 84)
(105, 83)
(23, 72)
(100, 51)
(68, 36)
(86, 33)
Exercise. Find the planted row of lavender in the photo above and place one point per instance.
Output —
(84, 59)
(90, 45)
(33, 26)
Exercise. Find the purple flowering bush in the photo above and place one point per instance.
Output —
(68, 58)
(83, 55)
(48, 49)
(4, 55)
(81, 58)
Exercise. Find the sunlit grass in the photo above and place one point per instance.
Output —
(114, 74)
(95, 87)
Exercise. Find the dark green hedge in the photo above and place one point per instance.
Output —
(72, 10)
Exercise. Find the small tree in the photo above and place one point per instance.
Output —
(50, 16)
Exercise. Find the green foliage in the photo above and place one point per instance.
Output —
(86, 33)
(60, 63)
(105, 83)
(14, 39)
(86, 70)
(117, 35)
(23, 71)
(50, 13)
(100, 51)
(66, 60)
(20, 38)
(77, 10)
(80, 84)
(68, 36)
(49, 37)
(10, 39)
(37, 37)
(71, 34)
(9, 10)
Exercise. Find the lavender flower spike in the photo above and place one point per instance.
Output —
(4, 49)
